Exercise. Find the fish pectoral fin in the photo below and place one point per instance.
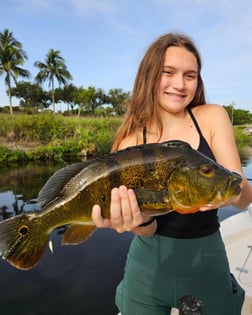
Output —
(153, 202)
(78, 233)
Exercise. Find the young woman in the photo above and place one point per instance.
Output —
(174, 255)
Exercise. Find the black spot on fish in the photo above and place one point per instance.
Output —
(23, 230)
(104, 198)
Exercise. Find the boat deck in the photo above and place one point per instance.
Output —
(237, 235)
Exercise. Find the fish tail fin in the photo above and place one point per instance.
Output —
(22, 242)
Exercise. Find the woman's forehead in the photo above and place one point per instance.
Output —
(177, 57)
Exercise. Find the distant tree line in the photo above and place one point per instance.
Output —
(238, 116)
(78, 100)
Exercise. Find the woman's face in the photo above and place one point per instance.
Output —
(179, 79)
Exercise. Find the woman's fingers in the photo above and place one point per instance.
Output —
(126, 208)
(137, 215)
(98, 219)
(115, 210)
(125, 214)
(120, 210)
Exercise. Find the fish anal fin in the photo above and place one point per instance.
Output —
(77, 233)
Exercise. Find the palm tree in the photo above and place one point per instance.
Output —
(53, 67)
(11, 57)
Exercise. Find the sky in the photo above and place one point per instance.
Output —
(103, 41)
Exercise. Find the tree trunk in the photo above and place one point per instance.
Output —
(53, 98)
(10, 97)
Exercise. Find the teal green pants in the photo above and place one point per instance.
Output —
(160, 270)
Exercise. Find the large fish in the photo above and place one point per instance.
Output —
(168, 176)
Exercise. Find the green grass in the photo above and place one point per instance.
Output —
(47, 136)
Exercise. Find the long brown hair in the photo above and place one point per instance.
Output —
(142, 109)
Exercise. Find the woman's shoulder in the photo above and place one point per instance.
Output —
(210, 112)
(213, 119)
(209, 108)
(131, 140)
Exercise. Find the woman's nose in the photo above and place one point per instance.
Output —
(178, 82)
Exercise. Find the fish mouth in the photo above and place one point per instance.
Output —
(227, 192)
(233, 184)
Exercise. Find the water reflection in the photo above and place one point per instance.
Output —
(75, 279)
(19, 186)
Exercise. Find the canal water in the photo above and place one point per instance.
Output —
(74, 279)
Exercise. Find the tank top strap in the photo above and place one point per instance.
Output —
(203, 144)
(144, 135)
(194, 121)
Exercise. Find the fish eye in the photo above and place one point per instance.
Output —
(207, 169)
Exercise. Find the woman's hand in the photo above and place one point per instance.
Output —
(125, 214)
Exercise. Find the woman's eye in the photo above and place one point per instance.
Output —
(191, 76)
(207, 170)
(167, 72)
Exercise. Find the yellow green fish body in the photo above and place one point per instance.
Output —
(168, 176)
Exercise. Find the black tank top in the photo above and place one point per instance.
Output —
(193, 225)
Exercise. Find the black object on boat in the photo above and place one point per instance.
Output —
(190, 305)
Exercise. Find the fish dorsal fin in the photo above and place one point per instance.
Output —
(176, 144)
(53, 188)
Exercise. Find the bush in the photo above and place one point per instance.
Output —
(7, 155)
(240, 136)
(50, 136)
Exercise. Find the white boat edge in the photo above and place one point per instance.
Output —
(237, 236)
